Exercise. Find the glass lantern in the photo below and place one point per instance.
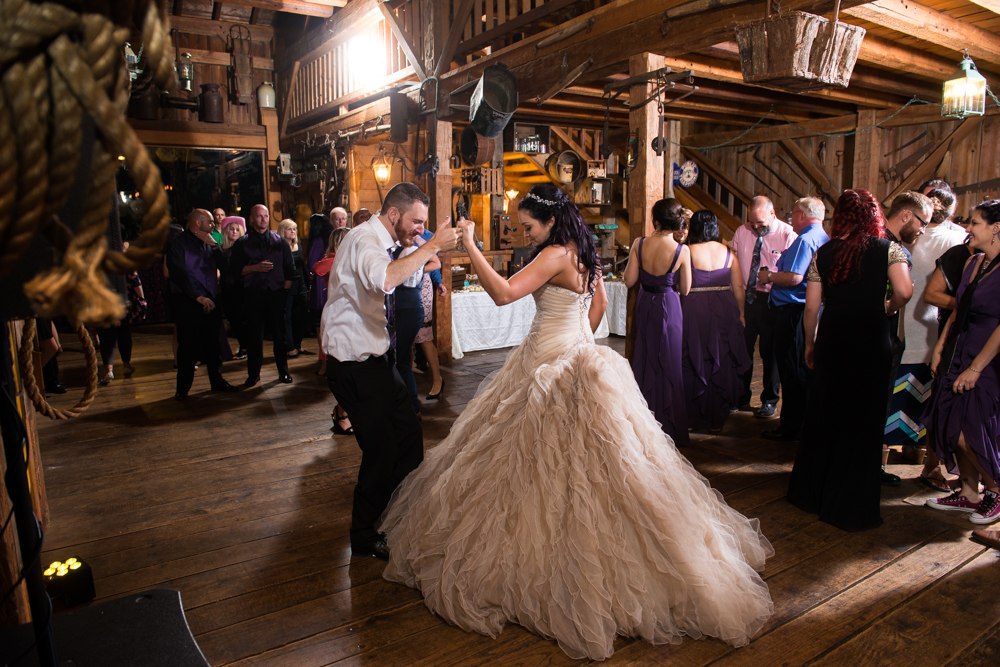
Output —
(965, 92)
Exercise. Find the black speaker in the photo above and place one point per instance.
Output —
(398, 131)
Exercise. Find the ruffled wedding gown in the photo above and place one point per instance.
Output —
(558, 503)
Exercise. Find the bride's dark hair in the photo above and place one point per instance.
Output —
(546, 201)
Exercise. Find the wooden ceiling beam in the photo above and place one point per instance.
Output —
(730, 72)
(621, 29)
(512, 26)
(931, 26)
(403, 40)
(992, 5)
(321, 8)
(220, 29)
(905, 59)
(355, 15)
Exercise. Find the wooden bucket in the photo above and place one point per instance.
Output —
(799, 51)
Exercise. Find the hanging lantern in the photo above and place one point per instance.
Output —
(381, 168)
(185, 71)
(965, 92)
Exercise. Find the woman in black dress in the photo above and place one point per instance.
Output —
(296, 315)
(838, 472)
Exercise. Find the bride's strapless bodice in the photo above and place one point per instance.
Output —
(561, 320)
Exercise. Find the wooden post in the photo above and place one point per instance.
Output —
(645, 184)
(867, 150)
(672, 156)
(440, 194)
(354, 167)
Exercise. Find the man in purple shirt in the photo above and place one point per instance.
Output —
(193, 261)
(264, 261)
(758, 245)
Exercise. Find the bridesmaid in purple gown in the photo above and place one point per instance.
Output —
(714, 353)
(962, 417)
(661, 267)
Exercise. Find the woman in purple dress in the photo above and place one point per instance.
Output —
(962, 416)
(714, 353)
(320, 229)
(662, 267)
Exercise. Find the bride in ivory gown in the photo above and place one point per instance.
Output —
(557, 502)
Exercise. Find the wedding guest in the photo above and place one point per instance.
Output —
(264, 260)
(837, 470)
(758, 243)
(425, 337)
(714, 352)
(788, 301)
(942, 190)
(962, 417)
(658, 263)
(361, 215)
(410, 319)
(341, 422)
(218, 223)
(907, 220)
(913, 380)
(194, 260)
(295, 307)
(358, 329)
(338, 217)
(319, 237)
(233, 228)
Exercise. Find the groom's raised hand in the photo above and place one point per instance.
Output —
(444, 238)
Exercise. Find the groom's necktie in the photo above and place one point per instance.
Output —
(754, 269)
(390, 313)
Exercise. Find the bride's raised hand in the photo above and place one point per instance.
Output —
(467, 229)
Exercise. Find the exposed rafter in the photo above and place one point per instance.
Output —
(931, 26)
(321, 8)
(621, 29)
(403, 40)
(357, 14)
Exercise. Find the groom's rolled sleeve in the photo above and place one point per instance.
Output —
(372, 265)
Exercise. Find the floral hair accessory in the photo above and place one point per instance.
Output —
(531, 195)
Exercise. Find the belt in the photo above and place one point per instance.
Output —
(727, 288)
(657, 289)
(984, 320)
(370, 361)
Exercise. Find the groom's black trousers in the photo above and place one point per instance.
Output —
(388, 433)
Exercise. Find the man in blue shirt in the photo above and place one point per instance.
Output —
(788, 299)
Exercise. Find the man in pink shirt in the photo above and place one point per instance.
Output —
(758, 244)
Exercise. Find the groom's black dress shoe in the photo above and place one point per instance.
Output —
(374, 547)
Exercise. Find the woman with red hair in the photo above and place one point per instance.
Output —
(838, 472)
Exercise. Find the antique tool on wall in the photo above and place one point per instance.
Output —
(757, 158)
(983, 186)
(907, 144)
(760, 180)
(822, 153)
(900, 168)
(791, 167)
(241, 69)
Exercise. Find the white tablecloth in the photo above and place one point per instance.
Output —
(617, 300)
(479, 324)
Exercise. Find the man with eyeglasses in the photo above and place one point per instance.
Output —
(906, 223)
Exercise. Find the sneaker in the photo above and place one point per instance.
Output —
(988, 510)
(956, 502)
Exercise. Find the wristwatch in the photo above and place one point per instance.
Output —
(769, 276)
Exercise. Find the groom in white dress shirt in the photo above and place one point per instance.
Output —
(358, 328)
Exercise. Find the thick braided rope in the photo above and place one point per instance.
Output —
(20, 85)
(26, 359)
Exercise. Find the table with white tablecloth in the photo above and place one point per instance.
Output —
(617, 301)
(479, 324)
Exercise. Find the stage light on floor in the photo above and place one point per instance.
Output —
(70, 582)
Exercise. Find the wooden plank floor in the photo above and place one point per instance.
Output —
(242, 502)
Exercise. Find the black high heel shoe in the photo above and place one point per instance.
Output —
(437, 396)
(337, 428)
